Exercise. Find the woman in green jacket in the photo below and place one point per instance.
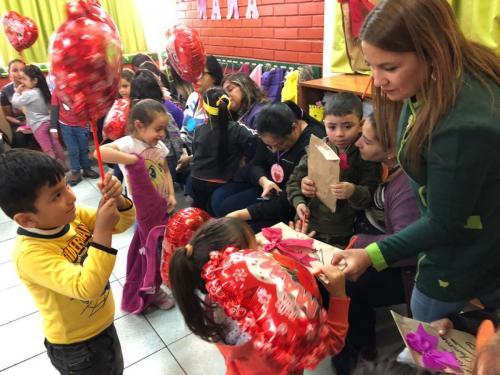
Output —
(445, 91)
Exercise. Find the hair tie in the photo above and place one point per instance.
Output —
(214, 111)
(189, 249)
(221, 99)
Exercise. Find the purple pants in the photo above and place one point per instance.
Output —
(49, 144)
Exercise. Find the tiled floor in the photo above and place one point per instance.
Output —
(156, 342)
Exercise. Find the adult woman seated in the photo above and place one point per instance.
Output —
(394, 208)
(284, 132)
(247, 99)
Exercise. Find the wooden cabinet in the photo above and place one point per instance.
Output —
(312, 91)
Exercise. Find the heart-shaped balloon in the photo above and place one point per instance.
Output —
(116, 119)
(86, 58)
(178, 232)
(21, 31)
(261, 293)
(185, 52)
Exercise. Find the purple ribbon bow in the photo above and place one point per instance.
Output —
(432, 358)
(294, 248)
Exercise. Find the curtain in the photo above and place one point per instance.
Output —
(125, 16)
(49, 14)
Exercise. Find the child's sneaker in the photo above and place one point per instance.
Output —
(74, 178)
(163, 301)
(90, 173)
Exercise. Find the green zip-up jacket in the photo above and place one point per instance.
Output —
(458, 188)
(365, 175)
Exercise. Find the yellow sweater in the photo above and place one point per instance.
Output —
(67, 275)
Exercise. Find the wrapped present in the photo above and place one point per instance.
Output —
(313, 254)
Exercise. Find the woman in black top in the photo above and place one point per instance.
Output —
(284, 132)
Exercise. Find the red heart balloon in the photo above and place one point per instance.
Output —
(178, 232)
(185, 52)
(116, 119)
(21, 31)
(86, 58)
(260, 292)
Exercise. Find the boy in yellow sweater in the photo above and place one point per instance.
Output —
(63, 255)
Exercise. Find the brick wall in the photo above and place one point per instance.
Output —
(287, 30)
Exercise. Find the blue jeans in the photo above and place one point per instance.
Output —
(76, 139)
(234, 196)
(427, 309)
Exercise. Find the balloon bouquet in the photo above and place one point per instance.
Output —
(86, 59)
(21, 32)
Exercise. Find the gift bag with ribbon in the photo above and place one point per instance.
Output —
(323, 167)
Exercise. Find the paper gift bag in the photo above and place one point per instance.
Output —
(461, 344)
(323, 168)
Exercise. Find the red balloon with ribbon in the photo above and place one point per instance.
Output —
(275, 300)
(185, 52)
(21, 32)
(86, 59)
(178, 232)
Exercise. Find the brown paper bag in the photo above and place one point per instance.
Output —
(324, 169)
(460, 343)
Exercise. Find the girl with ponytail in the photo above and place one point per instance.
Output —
(213, 323)
(218, 147)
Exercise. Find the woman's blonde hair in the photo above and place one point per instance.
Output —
(429, 29)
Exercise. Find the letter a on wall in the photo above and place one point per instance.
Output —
(232, 9)
(252, 11)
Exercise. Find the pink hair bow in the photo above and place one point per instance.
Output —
(294, 248)
(427, 345)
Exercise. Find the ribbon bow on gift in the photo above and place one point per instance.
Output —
(294, 248)
(426, 344)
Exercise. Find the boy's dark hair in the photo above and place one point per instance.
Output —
(185, 272)
(34, 72)
(24, 172)
(214, 69)
(216, 97)
(145, 111)
(343, 104)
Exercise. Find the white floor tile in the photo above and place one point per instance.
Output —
(169, 324)
(117, 289)
(8, 230)
(17, 303)
(84, 190)
(20, 340)
(122, 240)
(39, 365)
(92, 201)
(3, 217)
(161, 362)
(120, 269)
(6, 248)
(8, 276)
(198, 357)
(137, 338)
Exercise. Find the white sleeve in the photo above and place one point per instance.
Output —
(163, 148)
(125, 144)
(25, 98)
